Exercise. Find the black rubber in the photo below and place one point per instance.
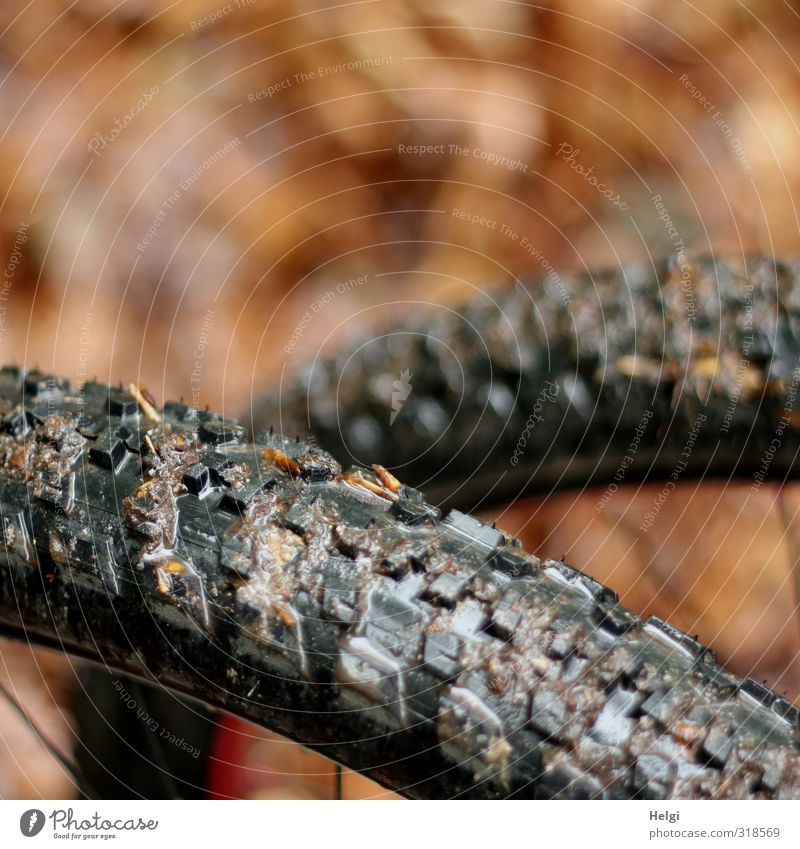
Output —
(643, 371)
(341, 610)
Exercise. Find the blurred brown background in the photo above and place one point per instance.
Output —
(181, 182)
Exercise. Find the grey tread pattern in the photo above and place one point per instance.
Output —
(597, 377)
(340, 609)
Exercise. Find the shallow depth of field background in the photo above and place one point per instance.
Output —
(181, 181)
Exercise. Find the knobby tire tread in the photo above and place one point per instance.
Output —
(339, 608)
(637, 372)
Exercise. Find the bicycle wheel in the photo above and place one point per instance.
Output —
(342, 610)
(645, 371)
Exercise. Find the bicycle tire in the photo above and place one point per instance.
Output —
(641, 372)
(342, 610)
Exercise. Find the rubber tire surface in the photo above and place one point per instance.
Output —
(341, 610)
(624, 374)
